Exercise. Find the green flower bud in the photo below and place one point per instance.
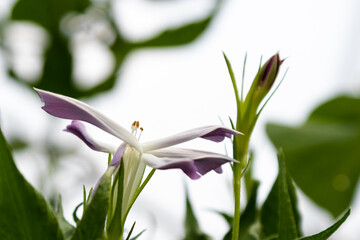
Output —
(260, 87)
(263, 81)
(268, 72)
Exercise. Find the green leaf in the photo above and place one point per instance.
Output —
(91, 226)
(192, 229)
(323, 154)
(58, 60)
(24, 214)
(138, 235)
(248, 217)
(46, 13)
(329, 231)
(115, 229)
(181, 35)
(130, 232)
(288, 214)
(66, 227)
(280, 218)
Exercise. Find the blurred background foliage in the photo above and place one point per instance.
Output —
(323, 154)
(64, 21)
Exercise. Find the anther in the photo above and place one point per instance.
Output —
(133, 126)
(141, 130)
(137, 124)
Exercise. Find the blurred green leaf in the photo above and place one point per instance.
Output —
(66, 227)
(323, 154)
(138, 235)
(58, 60)
(248, 217)
(227, 217)
(329, 231)
(130, 232)
(24, 214)
(289, 218)
(91, 226)
(181, 35)
(46, 13)
(192, 229)
(280, 218)
(16, 143)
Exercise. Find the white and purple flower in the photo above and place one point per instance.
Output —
(157, 154)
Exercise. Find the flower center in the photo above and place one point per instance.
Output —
(134, 129)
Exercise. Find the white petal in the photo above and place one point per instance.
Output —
(213, 133)
(194, 163)
(78, 129)
(69, 108)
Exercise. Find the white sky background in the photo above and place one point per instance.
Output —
(173, 89)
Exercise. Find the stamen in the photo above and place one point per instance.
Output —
(141, 130)
(134, 128)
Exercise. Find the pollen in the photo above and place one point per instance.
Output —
(133, 127)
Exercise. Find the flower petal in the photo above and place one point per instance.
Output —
(214, 133)
(69, 108)
(188, 167)
(194, 163)
(218, 170)
(79, 130)
(114, 164)
(118, 155)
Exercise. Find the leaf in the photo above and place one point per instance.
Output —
(66, 228)
(130, 232)
(115, 229)
(323, 154)
(279, 215)
(24, 214)
(181, 35)
(248, 217)
(329, 231)
(289, 223)
(192, 229)
(137, 236)
(58, 60)
(46, 13)
(91, 226)
(75, 217)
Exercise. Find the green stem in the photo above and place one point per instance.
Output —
(237, 187)
(242, 146)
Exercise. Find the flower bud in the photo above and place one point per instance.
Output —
(261, 86)
(263, 81)
(268, 72)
